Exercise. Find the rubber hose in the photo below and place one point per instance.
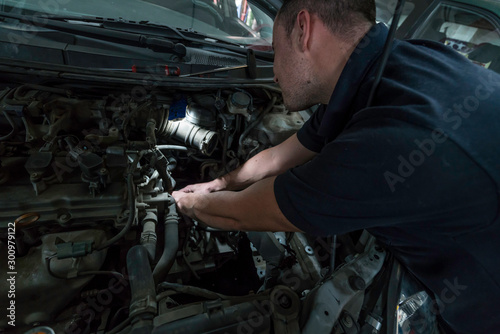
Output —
(171, 245)
(257, 121)
(143, 294)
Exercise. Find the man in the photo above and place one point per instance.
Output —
(419, 168)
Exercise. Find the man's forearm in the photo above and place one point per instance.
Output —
(254, 208)
(271, 162)
(255, 169)
(209, 209)
(268, 163)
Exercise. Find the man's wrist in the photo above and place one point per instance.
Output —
(221, 183)
(186, 202)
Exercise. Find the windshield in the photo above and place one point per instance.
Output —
(237, 21)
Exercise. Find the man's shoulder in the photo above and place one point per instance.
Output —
(416, 46)
(433, 60)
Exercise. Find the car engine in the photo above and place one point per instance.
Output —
(94, 243)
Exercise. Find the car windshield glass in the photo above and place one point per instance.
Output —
(468, 31)
(236, 21)
(386, 8)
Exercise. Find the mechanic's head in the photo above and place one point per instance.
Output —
(312, 41)
(342, 17)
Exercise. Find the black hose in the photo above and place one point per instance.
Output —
(257, 121)
(161, 165)
(12, 124)
(195, 291)
(387, 50)
(171, 245)
(172, 163)
(131, 216)
(148, 235)
(143, 293)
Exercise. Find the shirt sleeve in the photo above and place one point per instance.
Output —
(381, 173)
(308, 134)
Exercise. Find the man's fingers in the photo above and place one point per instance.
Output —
(197, 188)
(200, 188)
(187, 189)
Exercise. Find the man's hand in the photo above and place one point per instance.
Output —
(244, 198)
(205, 188)
(251, 209)
(185, 202)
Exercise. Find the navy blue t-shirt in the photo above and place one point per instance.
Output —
(419, 169)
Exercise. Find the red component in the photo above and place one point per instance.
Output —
(172, 71)
(157, 69)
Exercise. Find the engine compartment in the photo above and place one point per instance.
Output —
(85, 180)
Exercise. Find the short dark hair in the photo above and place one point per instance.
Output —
(338, 15)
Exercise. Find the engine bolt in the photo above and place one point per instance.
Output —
(309, 250)
(347, 321)
(357, 283)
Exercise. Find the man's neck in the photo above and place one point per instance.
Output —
(333, 57)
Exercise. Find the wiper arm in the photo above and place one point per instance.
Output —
(157, 44)
(186, 35)
(112, 23)
(192, 36)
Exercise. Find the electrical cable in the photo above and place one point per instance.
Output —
(79, 274)
(120, 327)
(190, 266)
(51, 273)
(131, 216)
(386, 51)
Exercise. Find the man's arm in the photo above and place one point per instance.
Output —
(270, 162)
(252, 209)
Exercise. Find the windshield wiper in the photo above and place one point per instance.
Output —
(59, 23)
(147, 27)
(192, 36)
(188, 35)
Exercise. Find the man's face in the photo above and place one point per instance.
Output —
(291, 71)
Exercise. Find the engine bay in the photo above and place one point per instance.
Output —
(85, 179)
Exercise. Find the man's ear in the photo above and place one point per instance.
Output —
(303, 30)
